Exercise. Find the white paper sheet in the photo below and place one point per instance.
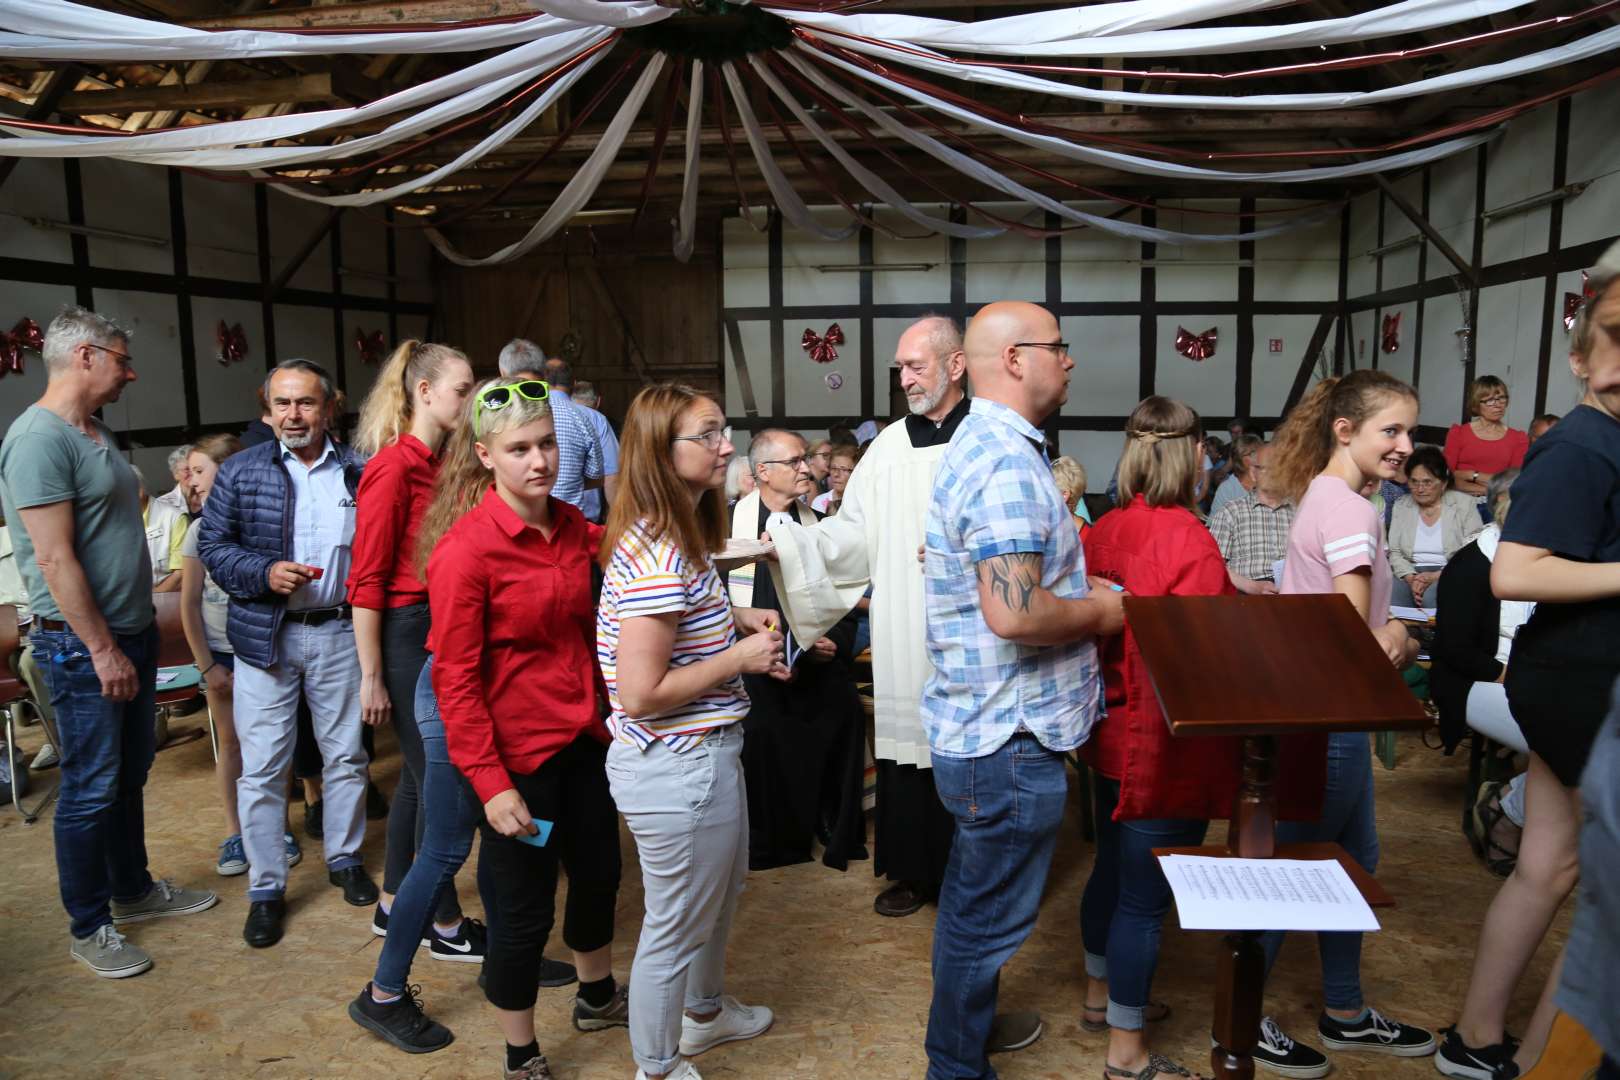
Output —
(1410, 614)
(1265, 894)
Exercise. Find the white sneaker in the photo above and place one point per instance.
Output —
(734, 1021)
(684, 1071)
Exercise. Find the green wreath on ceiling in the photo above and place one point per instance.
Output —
(714, 32)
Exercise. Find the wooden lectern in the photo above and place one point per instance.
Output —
(1259, 667)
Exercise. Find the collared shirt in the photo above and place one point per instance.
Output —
(395, 492)
(512, 640)
(1251, 535)
(322, 526)
(994, 495)
(606, 442)
(579, 455)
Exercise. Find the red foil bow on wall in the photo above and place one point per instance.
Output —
(1574, 301)
(26, 336)
(1196, 346)
(370, 346)
(231, 341)
(1390, 337)
(823, 349)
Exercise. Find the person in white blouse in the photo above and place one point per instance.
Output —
(1427, 527)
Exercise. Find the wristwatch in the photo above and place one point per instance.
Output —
(1474, 479)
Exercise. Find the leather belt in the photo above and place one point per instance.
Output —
(316, 616)
(54, 625)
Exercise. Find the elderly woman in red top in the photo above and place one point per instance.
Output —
(1152, 790)
(414, 405)
(1485, 446)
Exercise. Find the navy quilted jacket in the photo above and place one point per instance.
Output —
(247, 527)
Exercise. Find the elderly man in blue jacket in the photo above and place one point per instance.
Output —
(276, 534)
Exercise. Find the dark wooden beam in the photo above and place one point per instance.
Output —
(205, 95)
(301, 256)
(1307, 363)
(43, 107)
(1464, 266)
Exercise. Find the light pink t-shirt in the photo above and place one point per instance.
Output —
(1335, 532)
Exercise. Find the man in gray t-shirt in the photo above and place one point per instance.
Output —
(74, 512)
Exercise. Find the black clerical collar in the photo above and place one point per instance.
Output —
(924, 432)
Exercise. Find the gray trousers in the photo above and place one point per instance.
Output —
(320, 663)
(689, 815)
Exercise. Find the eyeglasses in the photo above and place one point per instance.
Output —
(840, 470)
(794, 463)
(819, 455)
(1498, 400)
(123, 358)
(496, 398)
(1423, 485)
(1060, 347)
(710, 439)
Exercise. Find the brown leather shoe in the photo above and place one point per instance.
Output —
(898, 900)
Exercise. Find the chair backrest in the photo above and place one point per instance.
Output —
(10, 637)
(173, 649)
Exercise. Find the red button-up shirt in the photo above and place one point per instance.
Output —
(514, 640)
(394, 494)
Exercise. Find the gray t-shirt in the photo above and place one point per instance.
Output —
(45, 460)
(216, 602)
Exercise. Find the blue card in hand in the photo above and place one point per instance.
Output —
(538, 839)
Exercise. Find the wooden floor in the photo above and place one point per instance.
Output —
(850, 989)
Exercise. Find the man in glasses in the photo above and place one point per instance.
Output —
(580, 462)
(75, 517)
(276, 534)
(802, 755)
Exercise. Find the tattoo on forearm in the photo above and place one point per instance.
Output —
(1014, 578)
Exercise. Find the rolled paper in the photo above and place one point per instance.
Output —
(1196, 346)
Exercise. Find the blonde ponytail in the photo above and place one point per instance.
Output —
(388, 409)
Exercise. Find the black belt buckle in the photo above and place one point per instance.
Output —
(316, 616)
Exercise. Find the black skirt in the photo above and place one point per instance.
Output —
(1560, 709)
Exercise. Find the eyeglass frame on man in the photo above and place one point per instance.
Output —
(710, 439)
(124, 359)
(800, 462)
(1062, 347)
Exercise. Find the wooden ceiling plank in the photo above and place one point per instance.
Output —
(209, 95)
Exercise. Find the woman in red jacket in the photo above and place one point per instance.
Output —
(1152, 790)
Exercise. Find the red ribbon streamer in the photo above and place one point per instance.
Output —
(26, 336)
(822, 348)
(370, 346)
(1573, 302)
(1391, 332)
(232, 343)
(1196, 346)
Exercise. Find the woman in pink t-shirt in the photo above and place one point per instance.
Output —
(1346, 433)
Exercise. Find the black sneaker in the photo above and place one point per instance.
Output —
(1377, 1033)
(379, 921)
(376, 803)
(401, 1022)
(467, 947)
(554, 973)
(1457, 1058)
(1276, 1052)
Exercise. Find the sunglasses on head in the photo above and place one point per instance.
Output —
(496, 398)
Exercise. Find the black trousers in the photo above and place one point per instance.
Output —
(911, 829)
(571, 791)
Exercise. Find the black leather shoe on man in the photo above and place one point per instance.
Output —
(264, 922)
(899, 900)
(358, 888)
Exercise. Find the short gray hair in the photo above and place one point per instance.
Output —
(585, 393)
(766, 442)
(1497, 494)
(178, 455)
(77, 326)
(521, 355)
(328, 389)
(944, 335)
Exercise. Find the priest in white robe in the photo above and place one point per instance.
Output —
(822, 571)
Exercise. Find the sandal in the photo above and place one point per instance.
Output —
(1094, 1018)
(1487, 815)
(1158, 1065)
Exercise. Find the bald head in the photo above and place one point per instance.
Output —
(1015, 357)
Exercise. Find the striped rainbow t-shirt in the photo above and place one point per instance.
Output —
(649, 576)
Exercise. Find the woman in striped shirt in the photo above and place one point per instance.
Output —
(666, 638)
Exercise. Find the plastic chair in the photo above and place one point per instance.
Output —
(174, 655)
(14, 698)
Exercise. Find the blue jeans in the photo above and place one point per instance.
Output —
(1349, 818)
(1008, 806)
(1125, 902)
(107, 749)
(450, 814)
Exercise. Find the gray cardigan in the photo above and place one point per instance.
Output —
(1459, 523)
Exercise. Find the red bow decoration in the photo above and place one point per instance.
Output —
(1196, 346)
(370, 346)
(232, 342)
(25, 336)
(1391, 332)
(823, 349)
(1573, 302)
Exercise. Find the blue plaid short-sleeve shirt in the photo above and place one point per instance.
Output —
(994, 495)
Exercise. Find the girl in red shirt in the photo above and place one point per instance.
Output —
(1152, 790)
(416, 402)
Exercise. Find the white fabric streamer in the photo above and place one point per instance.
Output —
(1592, 45)
(56, 30)
(972, 168)
(1072, 33)
(1152, 167)
(868, 179)
(469, 88)
(578, 190)
(792, 207)
(686, 223)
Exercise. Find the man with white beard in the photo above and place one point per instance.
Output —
(822, 570)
